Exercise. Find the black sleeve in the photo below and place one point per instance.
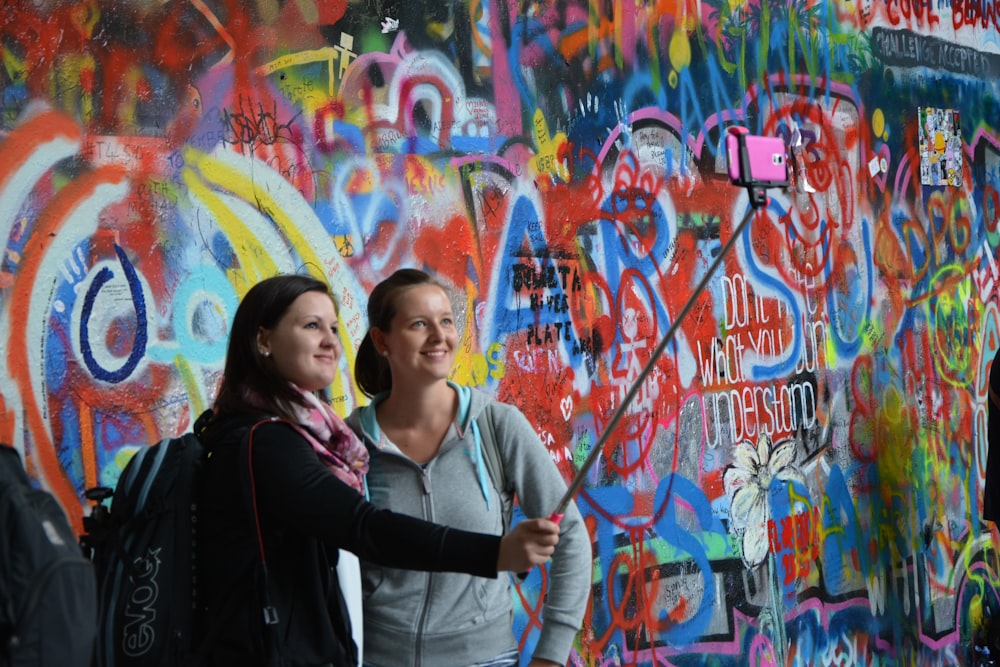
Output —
(295, 490)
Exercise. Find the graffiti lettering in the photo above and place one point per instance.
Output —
(975, 13)
(245, 126)
(527, 277)
(770, 409)
(903, 47)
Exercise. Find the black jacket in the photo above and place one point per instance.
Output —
(306, 514)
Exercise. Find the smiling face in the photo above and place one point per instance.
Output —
(303, 346)
(421, 341)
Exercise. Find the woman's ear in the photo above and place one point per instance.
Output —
(378, 339)
(263, 342)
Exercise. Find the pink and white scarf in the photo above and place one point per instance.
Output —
(333, 441)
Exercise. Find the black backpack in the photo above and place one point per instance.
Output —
(144, 550)
(48, 600)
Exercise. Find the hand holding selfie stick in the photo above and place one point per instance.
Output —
(758, 198)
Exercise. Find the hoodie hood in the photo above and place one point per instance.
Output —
(471, 403)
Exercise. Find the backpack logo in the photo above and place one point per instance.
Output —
(140, 633)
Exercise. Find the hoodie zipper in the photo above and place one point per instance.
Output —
(418, 638)
(428, 515)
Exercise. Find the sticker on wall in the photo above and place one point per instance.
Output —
(940, 147)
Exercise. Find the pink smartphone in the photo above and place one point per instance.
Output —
(758, 161)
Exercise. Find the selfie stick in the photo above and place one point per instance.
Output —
(755, 201)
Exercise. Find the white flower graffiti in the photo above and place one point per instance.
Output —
(747, 481)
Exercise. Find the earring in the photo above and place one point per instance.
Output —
(265, 353)
(385, 353)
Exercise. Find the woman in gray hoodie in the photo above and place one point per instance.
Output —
(451, 454)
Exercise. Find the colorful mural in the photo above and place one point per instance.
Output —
(799, 479)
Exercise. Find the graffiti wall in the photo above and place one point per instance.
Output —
(797, 480)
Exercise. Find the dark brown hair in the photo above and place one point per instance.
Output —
(247, 370)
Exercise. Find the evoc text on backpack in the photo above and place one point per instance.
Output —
(47, 589)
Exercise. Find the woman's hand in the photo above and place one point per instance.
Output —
(531, 543)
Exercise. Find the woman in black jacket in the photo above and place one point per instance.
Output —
(284, 482)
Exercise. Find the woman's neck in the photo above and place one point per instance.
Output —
(409, 407)
(418, 421)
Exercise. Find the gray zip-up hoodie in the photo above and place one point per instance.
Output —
(452, 620)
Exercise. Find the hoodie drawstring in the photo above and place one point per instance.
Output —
(480, 465)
